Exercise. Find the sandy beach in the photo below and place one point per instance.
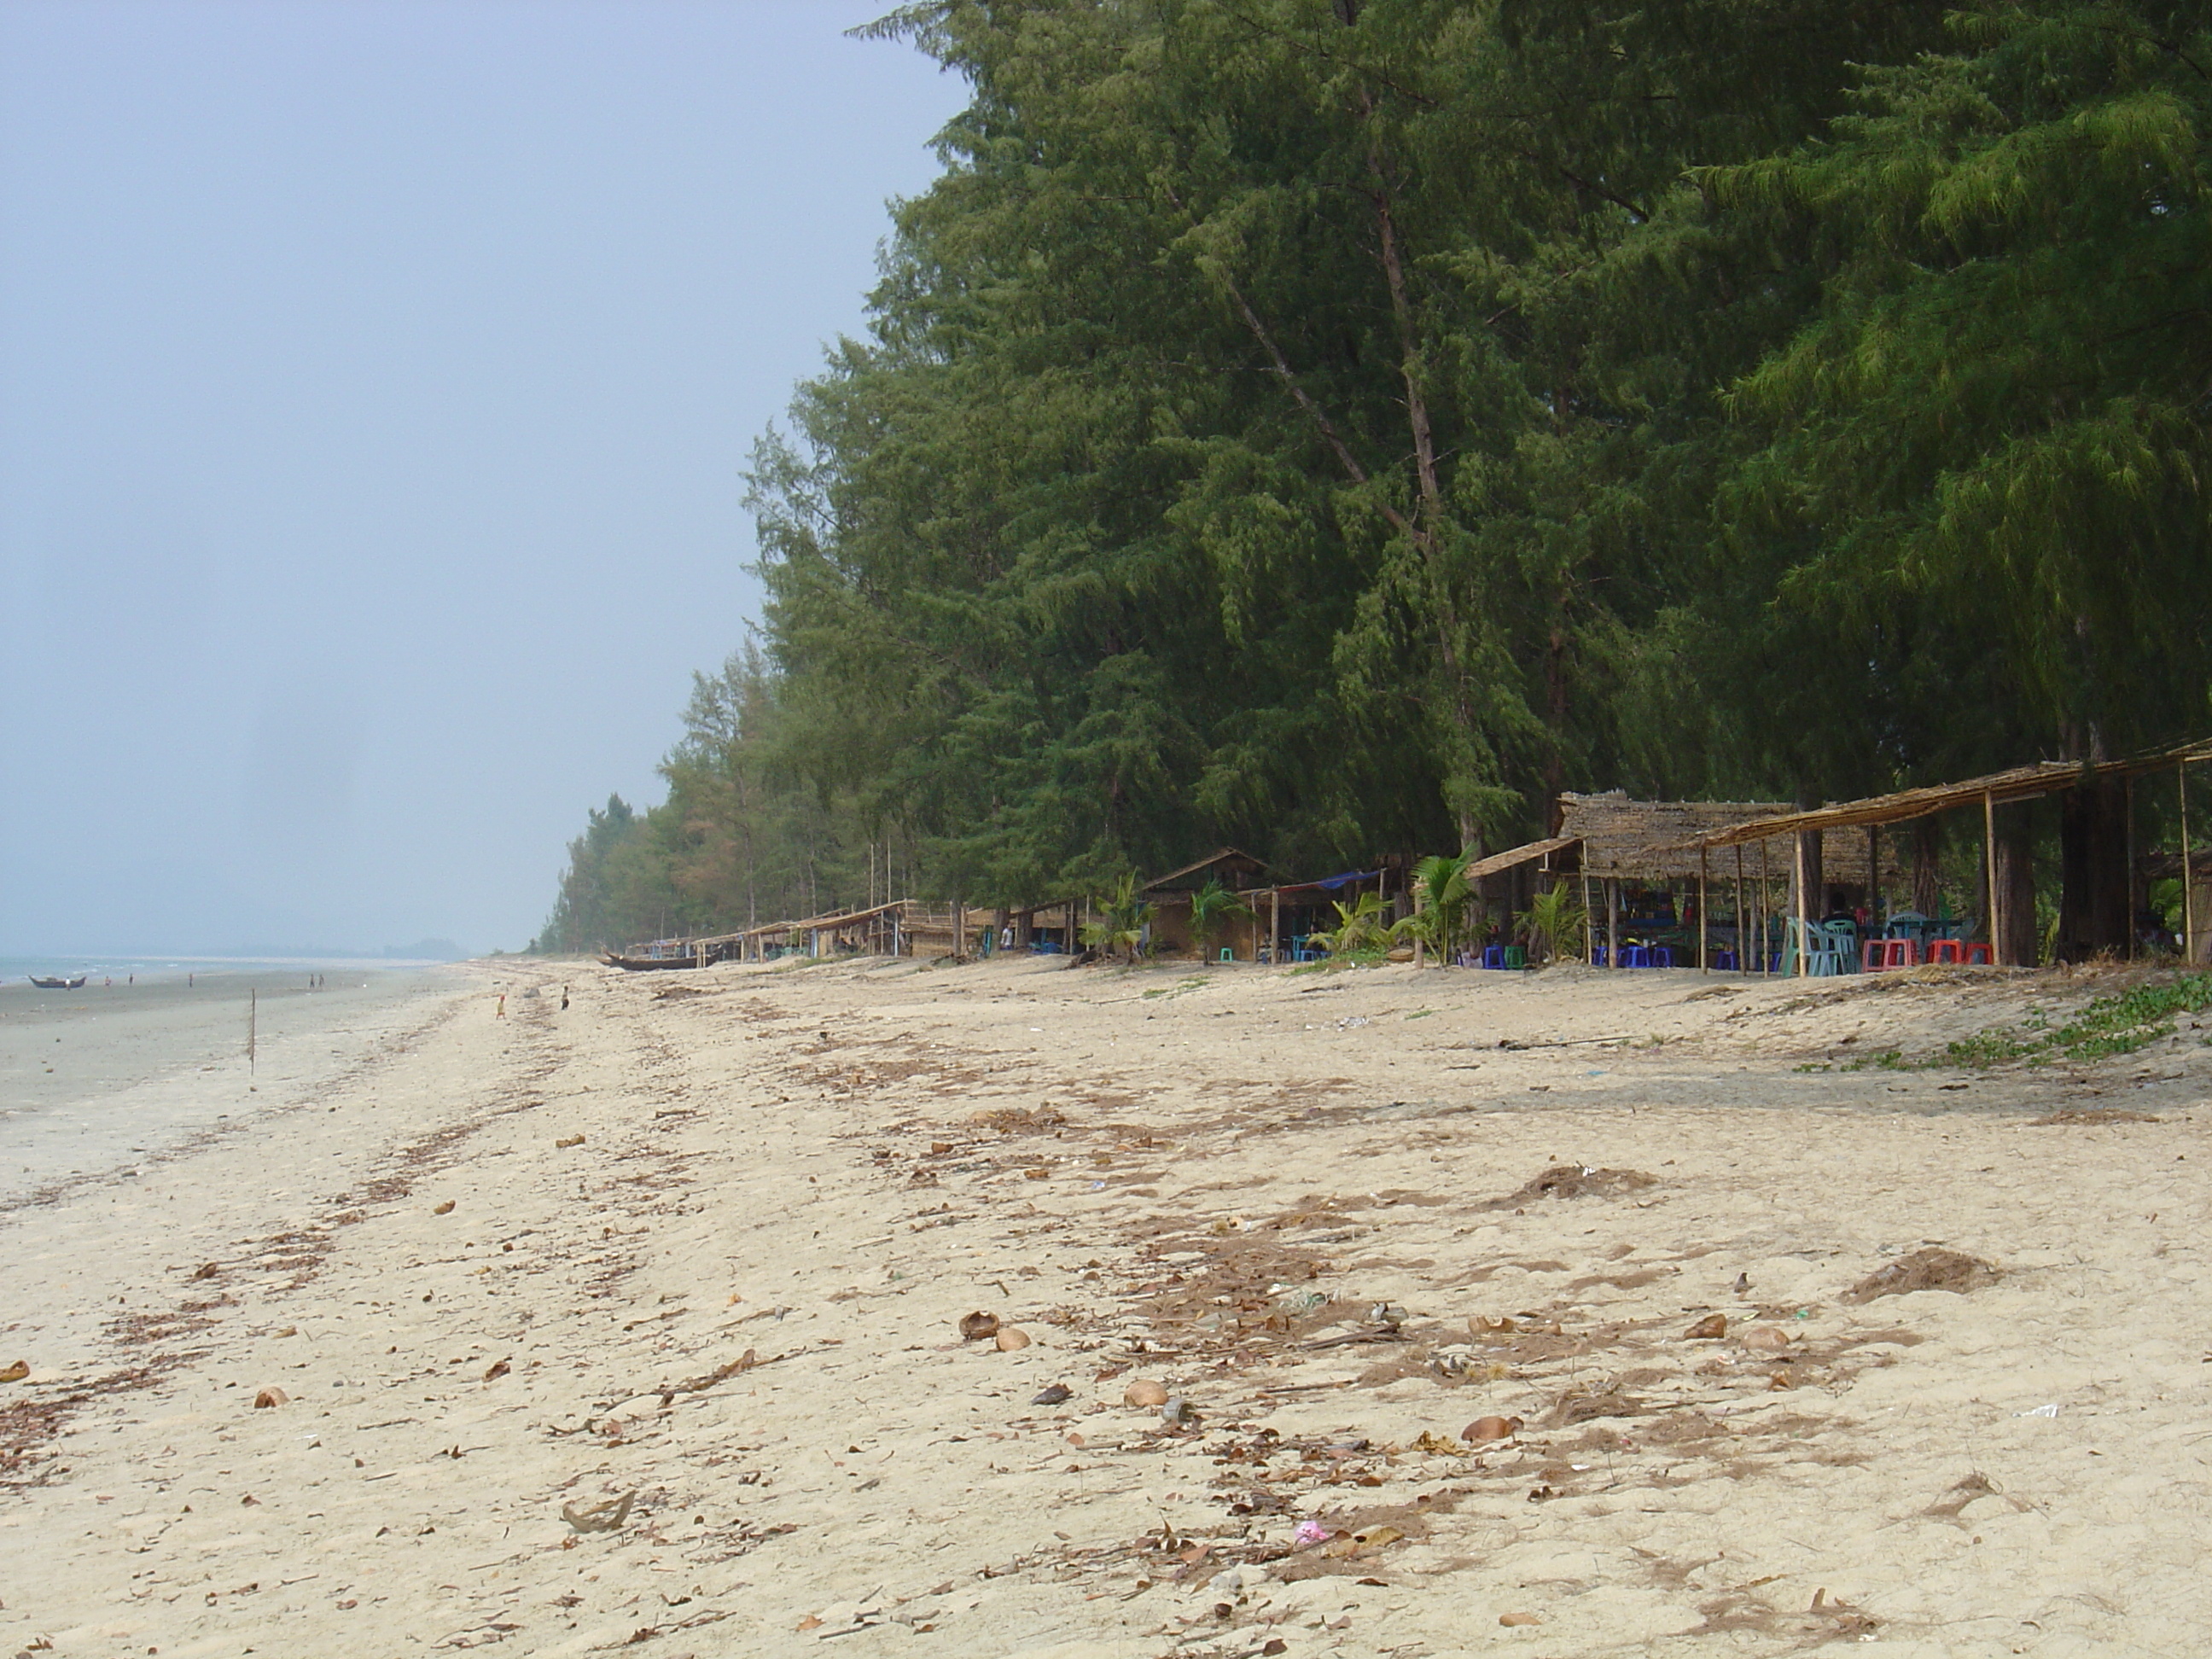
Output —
(638, 1326)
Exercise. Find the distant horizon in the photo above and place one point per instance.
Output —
(278, 954)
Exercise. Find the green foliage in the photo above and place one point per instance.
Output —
(1554, 922)
(1332, 428)
(2110, 1026)
(1360, 927)
(1120, 929)
(1212, 907)
(1440, 901)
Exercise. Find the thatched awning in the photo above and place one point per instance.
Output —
(1513, 858)
(2018, 783)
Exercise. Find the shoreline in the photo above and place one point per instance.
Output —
(710, 1242)
(94, 1079)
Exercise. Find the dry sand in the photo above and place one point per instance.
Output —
(1313, 1208)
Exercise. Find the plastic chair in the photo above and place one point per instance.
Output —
(1724, 961)
(1815, 944)
(1878, 955)
(1635, 956)
(1662, 956)
(1493, 956)
(1597, 955)
(1228, 954)
(1515, 957)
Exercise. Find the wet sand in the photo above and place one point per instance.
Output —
(92, 1079)
(707, 1238)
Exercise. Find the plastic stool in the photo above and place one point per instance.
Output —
(1948, 950)
(1493, 956)
(1662, 956)
(1227, 953)
(1635, 956)
(1877, 954)
(1515, 957)
(1978, 955)
(1724, 961)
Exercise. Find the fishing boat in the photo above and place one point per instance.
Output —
(57, 984)
(660, 953)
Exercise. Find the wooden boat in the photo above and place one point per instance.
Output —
(664, 953)
(57, 984)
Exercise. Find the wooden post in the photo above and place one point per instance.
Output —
(1590, 927)
(1704, 931)
(1873, 873)
(1274, 926)
(1990, 874)
(959, 929)
(2134, 933)
(2188, 875)
(1765, 901)
(1612, 922)
(1804, 968)
(1741, 966)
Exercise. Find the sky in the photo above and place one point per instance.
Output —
(376, 383)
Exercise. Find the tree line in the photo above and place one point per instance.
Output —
(1334, 426)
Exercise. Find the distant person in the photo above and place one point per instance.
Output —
(188, 981)
(502, 1005)
(564, 999)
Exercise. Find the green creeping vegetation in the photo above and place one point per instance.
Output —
(1181, 988)
(1330, 429)
(2110, 1026)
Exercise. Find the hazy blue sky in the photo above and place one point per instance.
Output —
(374, 382)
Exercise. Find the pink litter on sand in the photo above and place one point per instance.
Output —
(1309, 1534)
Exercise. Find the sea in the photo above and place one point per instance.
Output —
(153, 1051)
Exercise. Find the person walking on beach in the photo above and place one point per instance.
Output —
(502, 1005)
(564, 999)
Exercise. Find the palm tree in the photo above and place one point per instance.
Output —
(1123, 925)
(1551, 919)
(1212, 907)
(1358, 925)
(1440, 901)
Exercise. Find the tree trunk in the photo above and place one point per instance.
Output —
(2019, 936)
(1815, 905)
(1926, 841)
(2093, 906)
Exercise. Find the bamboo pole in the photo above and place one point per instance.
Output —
(2188, 875)
(1766, 903)
(1741, 966)
(1590, 927)
(2128, 853)
(1873, 873)
(1274, 926)
(1704, 858)
(1804, 968)
(1990, 874)
(1612, 921)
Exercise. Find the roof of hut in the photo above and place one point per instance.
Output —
(1236, 868)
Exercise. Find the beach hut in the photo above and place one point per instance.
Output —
(2101, 871)
(1169, 896)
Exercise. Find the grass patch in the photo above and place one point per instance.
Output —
(2108, 1026)
(1176, 990)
